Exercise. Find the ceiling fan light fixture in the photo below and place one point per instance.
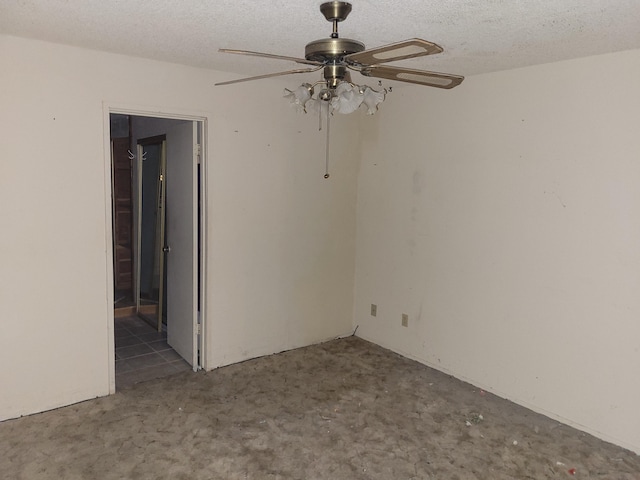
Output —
(315, 106)
(325, 95)
(371, 99)
(299, 97)
(347, 99)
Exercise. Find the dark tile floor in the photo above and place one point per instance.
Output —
(142, 353)
(123, 298)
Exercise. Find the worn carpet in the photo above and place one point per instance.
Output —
(345, 409)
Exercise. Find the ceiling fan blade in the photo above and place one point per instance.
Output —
(421, 77)
(414, 47)
(269, 75)
(270, 55)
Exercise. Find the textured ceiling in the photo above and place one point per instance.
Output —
(478, 36)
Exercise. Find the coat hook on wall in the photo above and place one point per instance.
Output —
(132, 156)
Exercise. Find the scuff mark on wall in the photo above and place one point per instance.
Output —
(418, 182)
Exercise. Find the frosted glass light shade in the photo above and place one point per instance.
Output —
(372, 99)
(348, 98)
(299, 97)
(313, 105)
(345, 98)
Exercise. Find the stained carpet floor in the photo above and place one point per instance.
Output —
(345, 409)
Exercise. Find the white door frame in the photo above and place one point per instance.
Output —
(108, 109)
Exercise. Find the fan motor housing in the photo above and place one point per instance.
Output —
(331, 49)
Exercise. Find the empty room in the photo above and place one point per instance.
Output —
(387, 239)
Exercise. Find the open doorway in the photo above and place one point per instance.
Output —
(156, 240)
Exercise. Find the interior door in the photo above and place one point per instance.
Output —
(182, 235)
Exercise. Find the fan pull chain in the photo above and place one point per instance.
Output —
(326, 164)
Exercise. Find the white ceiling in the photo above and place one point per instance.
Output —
(478, 36)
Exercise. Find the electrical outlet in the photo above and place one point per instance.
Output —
(374, 310)
(405, 320)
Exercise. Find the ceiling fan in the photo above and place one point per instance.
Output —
(338, 55)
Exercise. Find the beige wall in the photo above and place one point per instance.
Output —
(280, 237)
(504, 218)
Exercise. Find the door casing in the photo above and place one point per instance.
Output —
(201, 122)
